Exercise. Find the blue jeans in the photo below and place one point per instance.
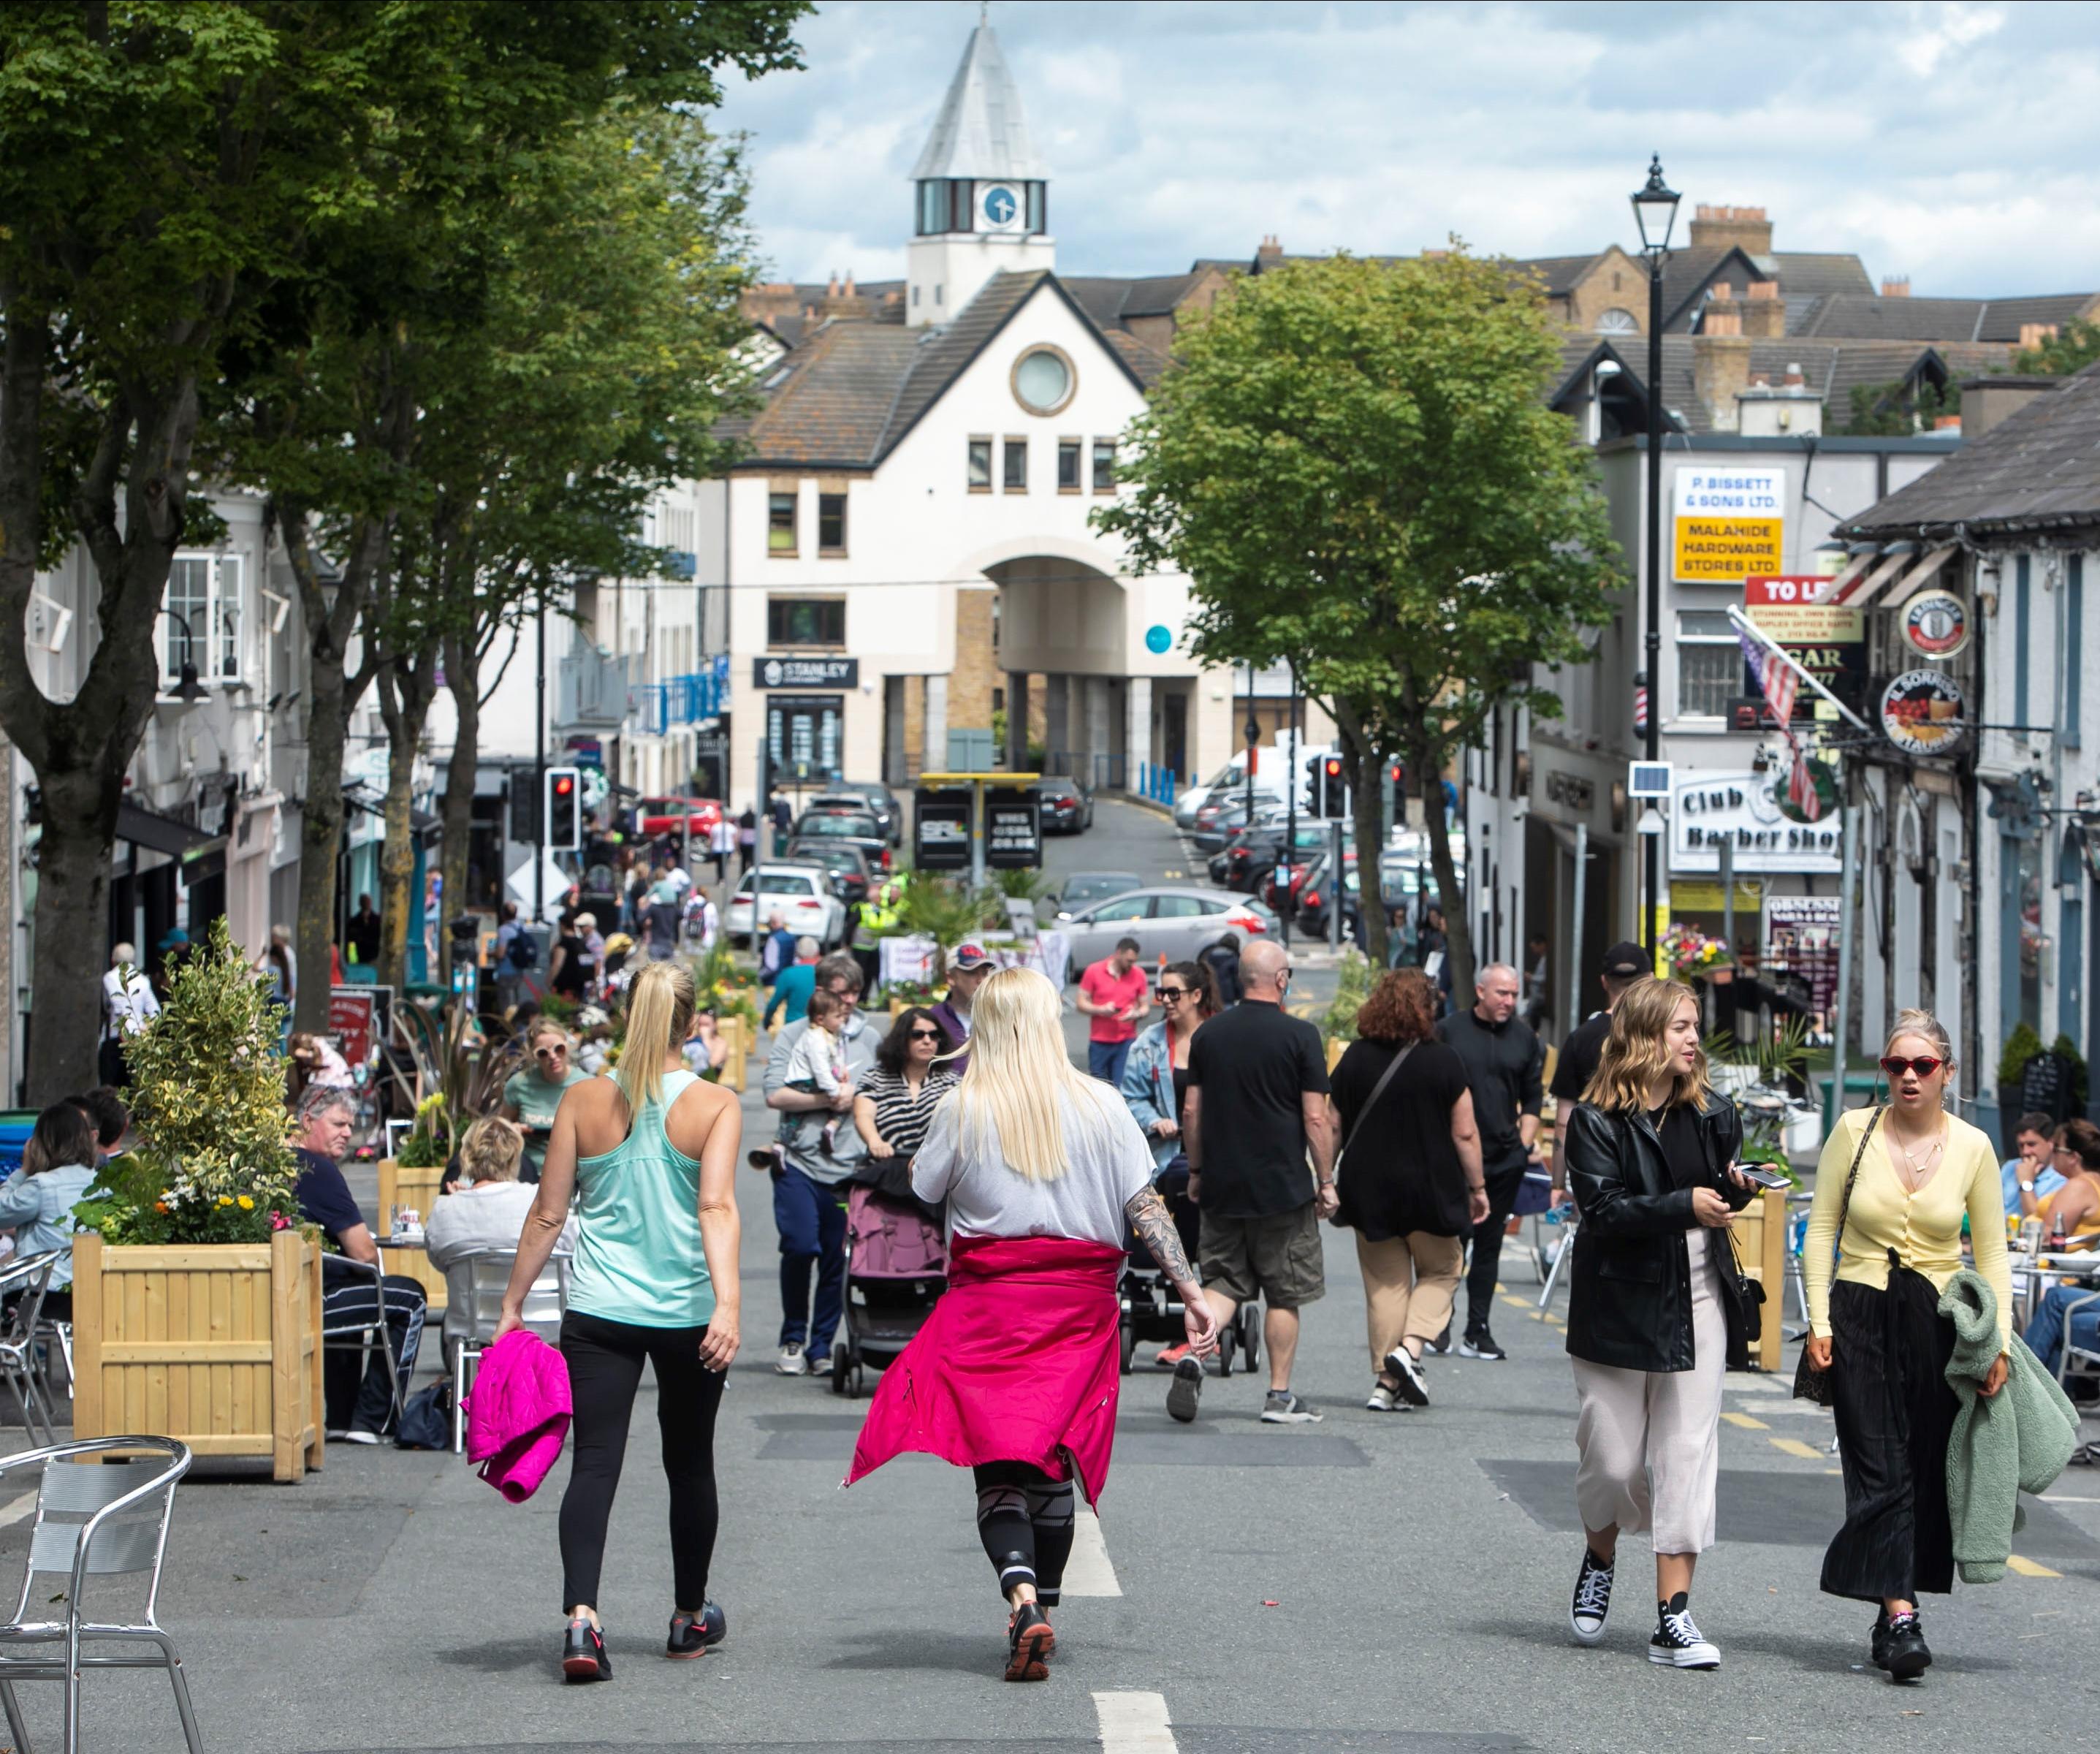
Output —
(812, 1234)
(1105, 1059)
(2045, 1333)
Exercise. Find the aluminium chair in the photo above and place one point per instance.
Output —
(2080, 1364)
(95, 1517)
(26, 1279)
(487, 1277)
(351, 1331)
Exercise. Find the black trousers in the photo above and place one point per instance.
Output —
(366, 1402)
(1025, 1520)
(1894, 1415)
(605, 1369)
(1503, 1181)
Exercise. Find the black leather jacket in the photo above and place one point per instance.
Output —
(1630, 1297)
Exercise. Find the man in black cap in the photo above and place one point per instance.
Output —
(1624, 964)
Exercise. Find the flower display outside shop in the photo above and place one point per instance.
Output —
(1692, 955)
(211, 1164)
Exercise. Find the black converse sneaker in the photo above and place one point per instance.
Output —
(1593, 1598)
(1677, 1643)
(1407, 1376)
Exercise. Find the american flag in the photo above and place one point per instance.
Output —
(1801, 790)
(1776, 678)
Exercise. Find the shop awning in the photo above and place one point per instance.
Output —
(198, 853)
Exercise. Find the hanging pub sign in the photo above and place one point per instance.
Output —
(1934, 624)
(940, 828)
(1014, 827)
(1922, 712)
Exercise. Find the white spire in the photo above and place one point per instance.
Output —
(980, 131)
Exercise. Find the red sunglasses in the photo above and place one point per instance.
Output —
(1925, 1065)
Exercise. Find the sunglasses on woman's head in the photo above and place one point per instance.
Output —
(1925, 1065)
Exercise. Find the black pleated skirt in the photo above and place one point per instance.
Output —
(1894, 1415)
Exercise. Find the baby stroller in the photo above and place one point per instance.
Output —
(1150, 1308)
(897, 1265)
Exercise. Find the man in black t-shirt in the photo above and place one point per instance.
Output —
(356, 1412)
(1257, 1106)
(1624, 964)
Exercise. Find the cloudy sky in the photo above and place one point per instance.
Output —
(1954, 143)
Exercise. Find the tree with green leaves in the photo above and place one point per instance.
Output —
(2075, 346)
(1354, 464)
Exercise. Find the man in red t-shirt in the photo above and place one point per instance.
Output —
(1115, 994)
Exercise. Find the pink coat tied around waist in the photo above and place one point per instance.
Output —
(1018, 1362)
(517, 1413)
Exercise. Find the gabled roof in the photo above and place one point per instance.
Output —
(981, 130)
(1809, 274)
(1561, 274)
(1688, 273)
(2039, 467)
(1995, 320)
(1110, 299)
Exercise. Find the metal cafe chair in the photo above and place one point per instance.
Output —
(26, 1280)
(487, 1277)
(351, 1330)
(2080, 1364)
(95, 1518)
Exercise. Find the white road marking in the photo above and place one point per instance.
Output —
(1134, 1723)
(1088, 1572)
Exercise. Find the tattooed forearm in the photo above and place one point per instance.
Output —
(1154, 1225)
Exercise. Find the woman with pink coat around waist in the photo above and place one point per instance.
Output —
(1016, 1372)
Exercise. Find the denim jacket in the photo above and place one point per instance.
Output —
(1148, 1090)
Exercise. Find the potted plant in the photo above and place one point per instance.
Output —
(196, 1290)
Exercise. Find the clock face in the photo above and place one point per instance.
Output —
(1002, 206)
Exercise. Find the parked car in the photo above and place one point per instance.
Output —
(867, 797)
(672, 815)
(1251, 859)
(856, 828)
(1230, 780)
(1082, 888)
(804, 896)
(847, 863)
(1400, 872)
(1216, 822)
(1165, 920)
(1068, 807)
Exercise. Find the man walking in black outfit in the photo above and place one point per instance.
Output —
(1505, 1065)
(1624, 964)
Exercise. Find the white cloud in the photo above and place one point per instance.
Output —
(1178, 130)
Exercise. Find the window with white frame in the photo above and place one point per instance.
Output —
(1709, 664)
(201, 625)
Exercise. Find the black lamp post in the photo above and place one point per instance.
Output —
(1655, 211)
(186, 686)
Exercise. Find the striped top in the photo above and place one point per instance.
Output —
(900, 1117)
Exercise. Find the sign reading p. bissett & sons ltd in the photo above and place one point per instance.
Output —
(805, 672)
(1708, 810)
(1729, 524)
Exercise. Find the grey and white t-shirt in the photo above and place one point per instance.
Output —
(1109, 1163)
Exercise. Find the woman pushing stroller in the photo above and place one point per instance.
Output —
(1015, 1374)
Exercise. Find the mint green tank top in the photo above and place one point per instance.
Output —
(638, 1254)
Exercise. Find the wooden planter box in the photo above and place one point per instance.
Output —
(218, 1346)
(422, 1188)
(737, 1034)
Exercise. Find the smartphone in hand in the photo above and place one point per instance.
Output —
(1761, 1175)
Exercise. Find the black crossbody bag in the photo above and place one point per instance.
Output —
(1811, 1383)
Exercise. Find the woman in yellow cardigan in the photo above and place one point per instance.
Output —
(1879, 1333)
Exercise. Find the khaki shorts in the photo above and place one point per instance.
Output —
(1277, 1257)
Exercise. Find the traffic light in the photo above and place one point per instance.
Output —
(565, 812)
(1333, 793)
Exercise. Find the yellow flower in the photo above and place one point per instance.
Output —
(226, 1200)
(247, 1203)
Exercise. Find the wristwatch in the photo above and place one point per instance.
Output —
(2026, 1187)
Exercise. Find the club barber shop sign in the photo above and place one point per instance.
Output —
(1745, 810)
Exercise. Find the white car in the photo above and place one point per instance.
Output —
(801, 895)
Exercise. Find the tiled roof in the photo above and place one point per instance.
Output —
(2040, 466)
(2003, 318)
(1809, 274)
(1998, 319)
(944, 352)
(1148, 363)
(1686, 273)
(1559, 273)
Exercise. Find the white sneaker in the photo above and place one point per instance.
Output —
(1677, 1643)
(1382, 1399)
(791, 1362)
(1593, 1599)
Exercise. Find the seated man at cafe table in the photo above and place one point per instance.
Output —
(357, 1412)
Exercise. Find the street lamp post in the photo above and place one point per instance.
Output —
(1655, 211)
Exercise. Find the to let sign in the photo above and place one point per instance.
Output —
(1827, 639)
(1728, 524)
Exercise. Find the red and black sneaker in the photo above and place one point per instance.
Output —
(692, 1633)
(582, 1653)
(1028, 1642)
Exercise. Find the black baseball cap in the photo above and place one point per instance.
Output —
(1623, 960)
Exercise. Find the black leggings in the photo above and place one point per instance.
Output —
(605, 1369)
(1025, 1520)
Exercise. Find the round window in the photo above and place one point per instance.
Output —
(1043, 380)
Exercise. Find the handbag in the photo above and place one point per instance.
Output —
(1811, 1383)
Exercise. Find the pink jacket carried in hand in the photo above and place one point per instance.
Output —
(517, 1413)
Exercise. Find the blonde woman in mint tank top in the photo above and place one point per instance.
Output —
(649, 1154)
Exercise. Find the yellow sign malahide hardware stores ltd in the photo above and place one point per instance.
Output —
(1729, 524)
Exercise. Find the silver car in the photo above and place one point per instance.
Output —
(1168, 920)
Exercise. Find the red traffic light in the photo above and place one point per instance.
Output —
(1334, 767)
(563, 785)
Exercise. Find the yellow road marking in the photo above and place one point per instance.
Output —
(1795, 1447)
(1518, 1303)
(1746, 1422)
(2028, 1568)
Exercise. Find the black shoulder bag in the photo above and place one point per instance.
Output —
(1811, 1383)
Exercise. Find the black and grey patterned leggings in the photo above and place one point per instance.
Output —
(1025, 1520)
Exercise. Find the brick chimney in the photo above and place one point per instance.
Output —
(1269, 255)
(1764, 312)
(1893, 287)
(1720, 368)
(1985, 401)
(2032, 335)
(1746, 228)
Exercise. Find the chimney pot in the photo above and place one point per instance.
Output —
(1763, 290)
(1793, 373)
(1895, 286)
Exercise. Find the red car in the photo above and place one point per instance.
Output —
(662, 815)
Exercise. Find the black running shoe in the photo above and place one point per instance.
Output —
(1480, 1344)
(1028, 1641)
(1441, 1346)
(1185, 1390)
(1908, 1656)
(1407, 1376)
(582, 1653)
(1878, 1642)
(692, 1633)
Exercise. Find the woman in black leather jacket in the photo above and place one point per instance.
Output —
(1655, 1312)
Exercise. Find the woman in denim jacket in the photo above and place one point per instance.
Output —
(1155, 1082)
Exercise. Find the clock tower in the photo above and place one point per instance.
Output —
(980, 195)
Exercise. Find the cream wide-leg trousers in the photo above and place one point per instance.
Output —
(1650, 1441)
